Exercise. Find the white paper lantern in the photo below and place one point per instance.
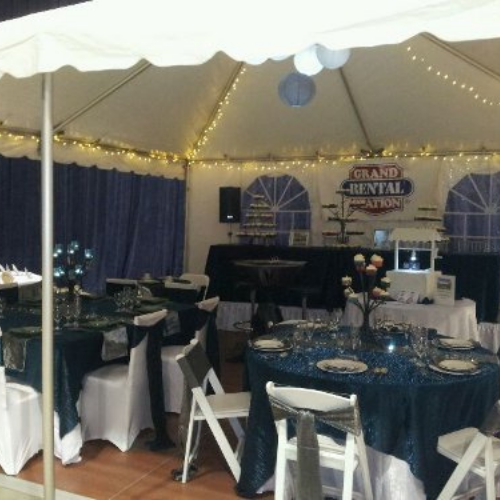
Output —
(296, 89)
(332, 59)
(306, 62)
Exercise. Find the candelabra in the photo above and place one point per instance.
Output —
(71, 266)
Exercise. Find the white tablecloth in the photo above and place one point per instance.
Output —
(454, 321)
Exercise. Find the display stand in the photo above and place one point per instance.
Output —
(259, 226)
(408, 276)
(341, 215)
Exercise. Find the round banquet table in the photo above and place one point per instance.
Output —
(403, 411)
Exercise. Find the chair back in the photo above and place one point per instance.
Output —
(202, 281)
(209, 305)
(194, 365)
(137, 369)
(310, 399)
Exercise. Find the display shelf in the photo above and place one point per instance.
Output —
(259, 224)
(341, 214)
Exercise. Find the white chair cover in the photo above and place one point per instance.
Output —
(202, 281)
(115, 399)
(20, 423)
(173, 379)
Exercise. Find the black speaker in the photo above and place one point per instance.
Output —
(229, 204)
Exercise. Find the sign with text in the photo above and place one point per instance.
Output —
(377, 189)
(445, 290)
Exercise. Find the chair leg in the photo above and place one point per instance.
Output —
(349, 468)
(221, 440)
(474, 449)
(365, 471)
(490, 471)
(187, 451)
(280, 472)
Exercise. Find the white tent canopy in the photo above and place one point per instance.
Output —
(117, 35)
(122, 108)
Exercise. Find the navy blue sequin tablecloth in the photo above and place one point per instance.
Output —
(78, 351)
(403, 411)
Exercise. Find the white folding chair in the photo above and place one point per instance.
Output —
(173, 379)
(475, 451)
(115, 398)
(332, 454)
(202, 281)
(20, 422)
(211, 408)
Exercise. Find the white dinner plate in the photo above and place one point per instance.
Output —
(459, 344)
(340, 365)
(270, 345)
(455, 367)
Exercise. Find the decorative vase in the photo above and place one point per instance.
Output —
(367, 334)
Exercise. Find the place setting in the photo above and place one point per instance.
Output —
(451, 366)
(269, 344)
(342, 366)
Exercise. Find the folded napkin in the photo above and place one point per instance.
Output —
(115, 344)
(7, 277)
(15, 269)
(2, 269)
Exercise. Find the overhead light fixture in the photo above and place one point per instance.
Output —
(306, 62)
(296, 90)
(332, 59)
(312, 60)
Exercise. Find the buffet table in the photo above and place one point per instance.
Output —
(455, 321)
(403, 411)
(325, 267)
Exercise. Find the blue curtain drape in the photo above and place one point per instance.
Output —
(135, 224)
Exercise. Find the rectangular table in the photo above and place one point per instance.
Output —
(326, 266)
(454, 321)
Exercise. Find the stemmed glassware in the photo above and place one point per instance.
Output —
(2, 307)
(58, 315)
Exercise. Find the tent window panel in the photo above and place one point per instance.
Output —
(478, 225)
(459, 204)
(455, 224)
(495, 225)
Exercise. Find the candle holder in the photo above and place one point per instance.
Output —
(70, 266)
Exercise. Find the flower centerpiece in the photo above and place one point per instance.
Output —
(373, 290)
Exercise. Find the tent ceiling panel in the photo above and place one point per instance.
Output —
(257, 123)
(162, 108)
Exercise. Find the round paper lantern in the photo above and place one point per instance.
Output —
(306, 62)
(332, 59)
(296, 89)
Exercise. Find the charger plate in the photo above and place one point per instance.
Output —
(271, 345)
(456, 344)
(455, 367)
(26, 331)
(340, 365)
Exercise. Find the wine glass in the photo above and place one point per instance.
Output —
(58, 315)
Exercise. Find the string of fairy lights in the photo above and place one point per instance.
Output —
(269, 163)
(453, 80)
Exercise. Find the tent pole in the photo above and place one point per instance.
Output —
(186, 261)
(47, 231)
